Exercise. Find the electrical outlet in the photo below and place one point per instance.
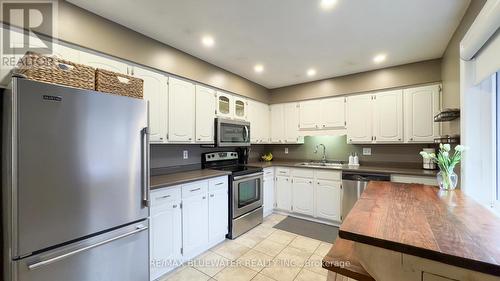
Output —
(185, 154)
(286, 150)
(367, 151)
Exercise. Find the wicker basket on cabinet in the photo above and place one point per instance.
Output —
(54, 70)
(118, 84)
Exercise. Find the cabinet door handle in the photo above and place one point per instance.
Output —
(310, 182)
(211, 195)
(219, 183)
(411, 139)
(196, 189)
(204, 197)
(174, 206)
(166, 196)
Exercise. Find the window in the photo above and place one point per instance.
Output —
(496, 188)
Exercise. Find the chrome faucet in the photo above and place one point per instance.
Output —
(323, 158)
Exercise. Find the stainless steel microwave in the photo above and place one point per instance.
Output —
(231, 133)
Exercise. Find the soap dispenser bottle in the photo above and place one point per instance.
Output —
(351, 158)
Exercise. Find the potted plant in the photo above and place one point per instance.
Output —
(446, 161)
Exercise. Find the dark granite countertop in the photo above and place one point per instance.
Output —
(371, 168)
(161, 181)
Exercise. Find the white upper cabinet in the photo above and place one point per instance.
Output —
(240, 108)
(181, 110)
(309, 114)
(258, 116)
(291, 123)
(205, 114)
(388, 116)
(323, 114)
(104, 62)
(303, 196)
(224, 105)
(156, 93)
(333, 113)
(420, 106)
(277, 122)
(359, 119)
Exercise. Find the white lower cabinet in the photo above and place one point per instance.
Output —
(165, 232)
(308, 193)
(303, 196)
(268, 187)
(328, 198)
(186, 220)
(194, 219)
(218, 217)
(283, 193)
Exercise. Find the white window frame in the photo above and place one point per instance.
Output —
(496, 188)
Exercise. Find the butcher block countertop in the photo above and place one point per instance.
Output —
(184, 177)
(423, 221)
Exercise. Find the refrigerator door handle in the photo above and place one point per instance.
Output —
(39, 264)
(145, 167)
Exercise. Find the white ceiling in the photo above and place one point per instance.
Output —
(290, 36)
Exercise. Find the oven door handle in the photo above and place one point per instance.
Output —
(252, 176)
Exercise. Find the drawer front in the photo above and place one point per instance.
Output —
(165, 195)
(269, 172)
(280, 171)
(216, 184)
(195, 188)
(329, 175)
(303, 173)
(414, 179)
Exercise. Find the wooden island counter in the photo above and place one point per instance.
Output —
(399, 232)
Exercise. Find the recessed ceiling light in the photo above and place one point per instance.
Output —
(208, 41)
(311, 72)
(258, 68)
(379, 58)
(328, 4)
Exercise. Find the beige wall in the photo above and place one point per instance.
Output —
(392, 77)
(83, 28)
(450, 70)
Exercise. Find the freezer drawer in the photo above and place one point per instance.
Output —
(119, 255)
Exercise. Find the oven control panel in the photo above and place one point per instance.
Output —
(221, 156)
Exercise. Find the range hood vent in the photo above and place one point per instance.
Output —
(447, 114)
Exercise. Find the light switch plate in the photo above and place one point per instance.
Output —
(367, 151)
(185, 154)
(286, 150)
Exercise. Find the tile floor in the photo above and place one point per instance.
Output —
(262, 254)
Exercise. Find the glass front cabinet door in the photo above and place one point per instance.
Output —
(224, 107)
(240, 108)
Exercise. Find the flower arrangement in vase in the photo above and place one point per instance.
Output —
(446, 161)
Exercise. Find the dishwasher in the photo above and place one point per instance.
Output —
(353, 184)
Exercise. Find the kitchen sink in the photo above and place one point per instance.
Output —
(335, 165)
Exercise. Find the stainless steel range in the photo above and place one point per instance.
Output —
(245, 191)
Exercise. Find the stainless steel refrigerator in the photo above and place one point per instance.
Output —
(74, 184)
